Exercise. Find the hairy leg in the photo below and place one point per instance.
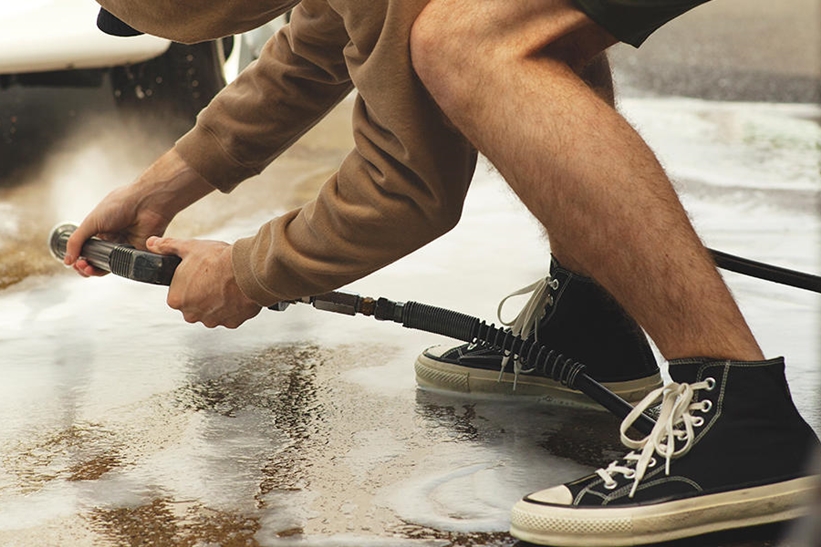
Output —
(507, 74)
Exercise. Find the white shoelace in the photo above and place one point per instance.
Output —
(525, 322)
(674, 423)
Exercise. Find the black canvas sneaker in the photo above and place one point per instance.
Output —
(729, 450)
(571, 315)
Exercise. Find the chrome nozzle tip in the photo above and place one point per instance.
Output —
(57, 239)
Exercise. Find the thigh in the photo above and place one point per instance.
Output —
(498, 30)
(632, 21)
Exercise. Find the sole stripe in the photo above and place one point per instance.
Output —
(438, 376)
(642, 524)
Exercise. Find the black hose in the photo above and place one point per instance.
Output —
(532, 353)
(767, 272)
(440, 321)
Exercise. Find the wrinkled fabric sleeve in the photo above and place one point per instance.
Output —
(299, 77)
(402, 186)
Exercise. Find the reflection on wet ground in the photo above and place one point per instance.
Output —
(165, 522)
(286, 427)
(292, 395)
(278, 384)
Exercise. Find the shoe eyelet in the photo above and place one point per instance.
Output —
(711, 383)
(652, 463)
(630, 475)
(698, 421)
(706, 405)
(611, 486)
(554, 284)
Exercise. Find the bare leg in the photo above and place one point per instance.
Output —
(507, 75)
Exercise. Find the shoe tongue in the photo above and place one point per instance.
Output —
(557, 271)
(686, 371)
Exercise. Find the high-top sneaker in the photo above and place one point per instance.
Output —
(571, 315)
(728, 450)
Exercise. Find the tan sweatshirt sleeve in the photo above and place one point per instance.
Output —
(402, 186)
(300, 75)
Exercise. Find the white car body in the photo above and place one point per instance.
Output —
(53, 35)
(53, 48)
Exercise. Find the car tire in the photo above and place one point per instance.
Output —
(167, 92)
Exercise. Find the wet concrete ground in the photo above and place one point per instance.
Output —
(737, 50)
(123, 425)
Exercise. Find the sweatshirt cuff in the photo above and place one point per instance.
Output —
(203, 152)
(250, 286)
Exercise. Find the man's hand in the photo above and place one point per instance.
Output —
(204, 288)
(132, 213)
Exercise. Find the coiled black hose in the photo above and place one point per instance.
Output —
(533, 354)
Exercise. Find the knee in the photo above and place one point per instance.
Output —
(444, 50)
(454, 41)
(430, 46)
(457, 46)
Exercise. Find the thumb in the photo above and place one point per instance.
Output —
(166, 246)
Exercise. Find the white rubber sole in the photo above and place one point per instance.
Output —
(433, 375)
(638, 525)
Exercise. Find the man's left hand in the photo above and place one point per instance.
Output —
(204, 288)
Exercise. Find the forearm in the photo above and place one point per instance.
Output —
(327, 244)
(169, 185)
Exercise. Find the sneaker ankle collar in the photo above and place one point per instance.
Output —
(557, 271)
(713, 361)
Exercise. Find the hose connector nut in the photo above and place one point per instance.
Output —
(338, 302)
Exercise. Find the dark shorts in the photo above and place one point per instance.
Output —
(632, 21)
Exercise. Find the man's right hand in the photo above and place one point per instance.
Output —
(133, 213)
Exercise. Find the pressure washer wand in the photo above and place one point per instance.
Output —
(147, 267)
(119, 259)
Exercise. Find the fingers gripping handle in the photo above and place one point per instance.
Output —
(122, 260)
